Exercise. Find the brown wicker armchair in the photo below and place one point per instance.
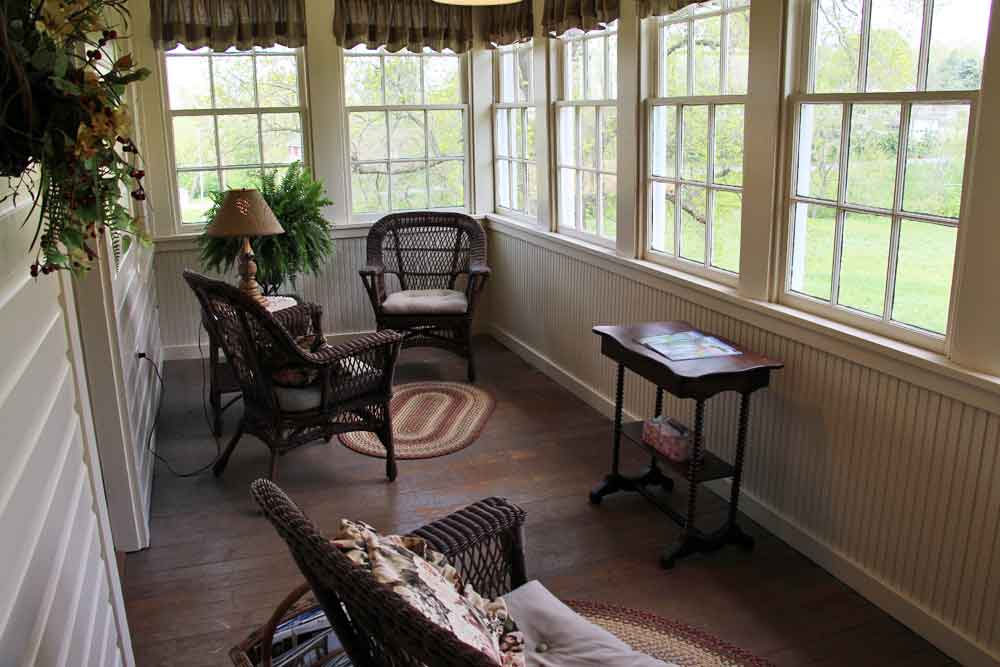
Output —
(430, 254)
(339, 388)
(375, 626)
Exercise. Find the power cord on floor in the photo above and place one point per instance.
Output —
(204, 408)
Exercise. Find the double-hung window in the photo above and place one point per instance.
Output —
(695, 122)
(587, 134)
(407, 125)
(514, 132)
(231, 114)
(882, 120)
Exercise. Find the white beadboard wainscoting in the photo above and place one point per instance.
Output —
(891, 486)
(60, 596)
(346, 310)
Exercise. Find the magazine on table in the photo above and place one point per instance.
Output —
(687, 345)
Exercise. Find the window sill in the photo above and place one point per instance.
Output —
(928, 369)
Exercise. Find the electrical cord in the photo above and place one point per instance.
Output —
(204, 409)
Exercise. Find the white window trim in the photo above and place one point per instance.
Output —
(499, 105)
(467, 132)
(184, 228)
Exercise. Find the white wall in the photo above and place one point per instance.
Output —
(60, 598)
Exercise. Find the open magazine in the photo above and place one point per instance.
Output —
(686, 345)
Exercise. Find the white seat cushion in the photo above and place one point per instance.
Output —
(426, 302)
(310, 397)
(556, 636)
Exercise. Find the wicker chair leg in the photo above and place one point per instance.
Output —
(273, 469)
(385, 435)
(471, 355)
(223, 461)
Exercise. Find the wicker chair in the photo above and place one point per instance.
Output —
(344, 387)
(430, 254)
(375, 626)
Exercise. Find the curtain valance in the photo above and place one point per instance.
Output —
(647, 8)
(563, 15)
(220, 24)
(503, 25)
(403, 24)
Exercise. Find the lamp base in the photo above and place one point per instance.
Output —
(248, 274)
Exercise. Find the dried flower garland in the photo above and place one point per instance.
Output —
(65, 137)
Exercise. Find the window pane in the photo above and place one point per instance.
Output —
(707, 55)
(819, 150)
(409, 185)
(441, 80)
(503, 183)
(508, 90)
(871, 164)
(729, 144)
(588, 137)
(864, 262)
(738, 53)
(532, 190)
(517, 133)
(447, 133)
(694, 159)
(726, 217)
(609, 138)
(589, 184)
(673, 81)
(193, 188)
(838, 45)
(406, 134)
(958, 40)
(609, 207)
(524, 74)
(530, 132)
(693, 222)
(234, 179)
(935, 159)
(447, 184)
(574, 70)
(363, 80)
(502, 135)
(612, 66)
(567, 197)
(278, 81)
(518, 185)
(232, 77)
(567, 135)
(595, 68)
(369, 138)
(281, 134)
(894, 44)
(402, 80)
(664, 152)
(812, 259)
(369, 188)
(924, 274)
(194, 141)
(662, 237)
(239, 142)
(188, 82)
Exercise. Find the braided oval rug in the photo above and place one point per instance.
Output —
(429, 419)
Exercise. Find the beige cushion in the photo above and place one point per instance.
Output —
(300, 399)
(556, 636)
(426, 302)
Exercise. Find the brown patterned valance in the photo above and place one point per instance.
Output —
(563, 15)
(403, 24)
(220, 24)
(647, 8)
(503, 25)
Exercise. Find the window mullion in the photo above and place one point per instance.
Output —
(709, 193)
(923, 62)
(897, 206)
(866, 31)
(724, 53)
(678, 200)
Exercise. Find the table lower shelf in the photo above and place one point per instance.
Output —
(712, 467)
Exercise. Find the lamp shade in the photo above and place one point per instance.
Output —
(244, 213)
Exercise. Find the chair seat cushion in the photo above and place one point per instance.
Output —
(426, 302)
(556, 636)
(427, 583)
(360, 376)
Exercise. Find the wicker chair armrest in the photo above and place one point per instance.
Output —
(478, 268)
(330, 354)
(483, 541)
(372, 270)
(299, 320)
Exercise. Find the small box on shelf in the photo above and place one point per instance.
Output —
(669, 437)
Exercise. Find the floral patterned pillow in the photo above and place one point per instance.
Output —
(425, 580)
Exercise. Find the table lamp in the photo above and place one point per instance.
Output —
(244, 213)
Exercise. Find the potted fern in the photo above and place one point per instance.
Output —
(297, 200)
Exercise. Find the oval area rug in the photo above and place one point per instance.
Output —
(429, 419)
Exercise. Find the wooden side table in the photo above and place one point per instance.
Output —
(697, 379)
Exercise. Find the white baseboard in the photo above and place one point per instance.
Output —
(891, 600)
(191, 350)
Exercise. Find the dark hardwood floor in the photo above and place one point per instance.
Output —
(216, 568)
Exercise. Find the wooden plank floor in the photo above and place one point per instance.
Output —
(216, 568)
